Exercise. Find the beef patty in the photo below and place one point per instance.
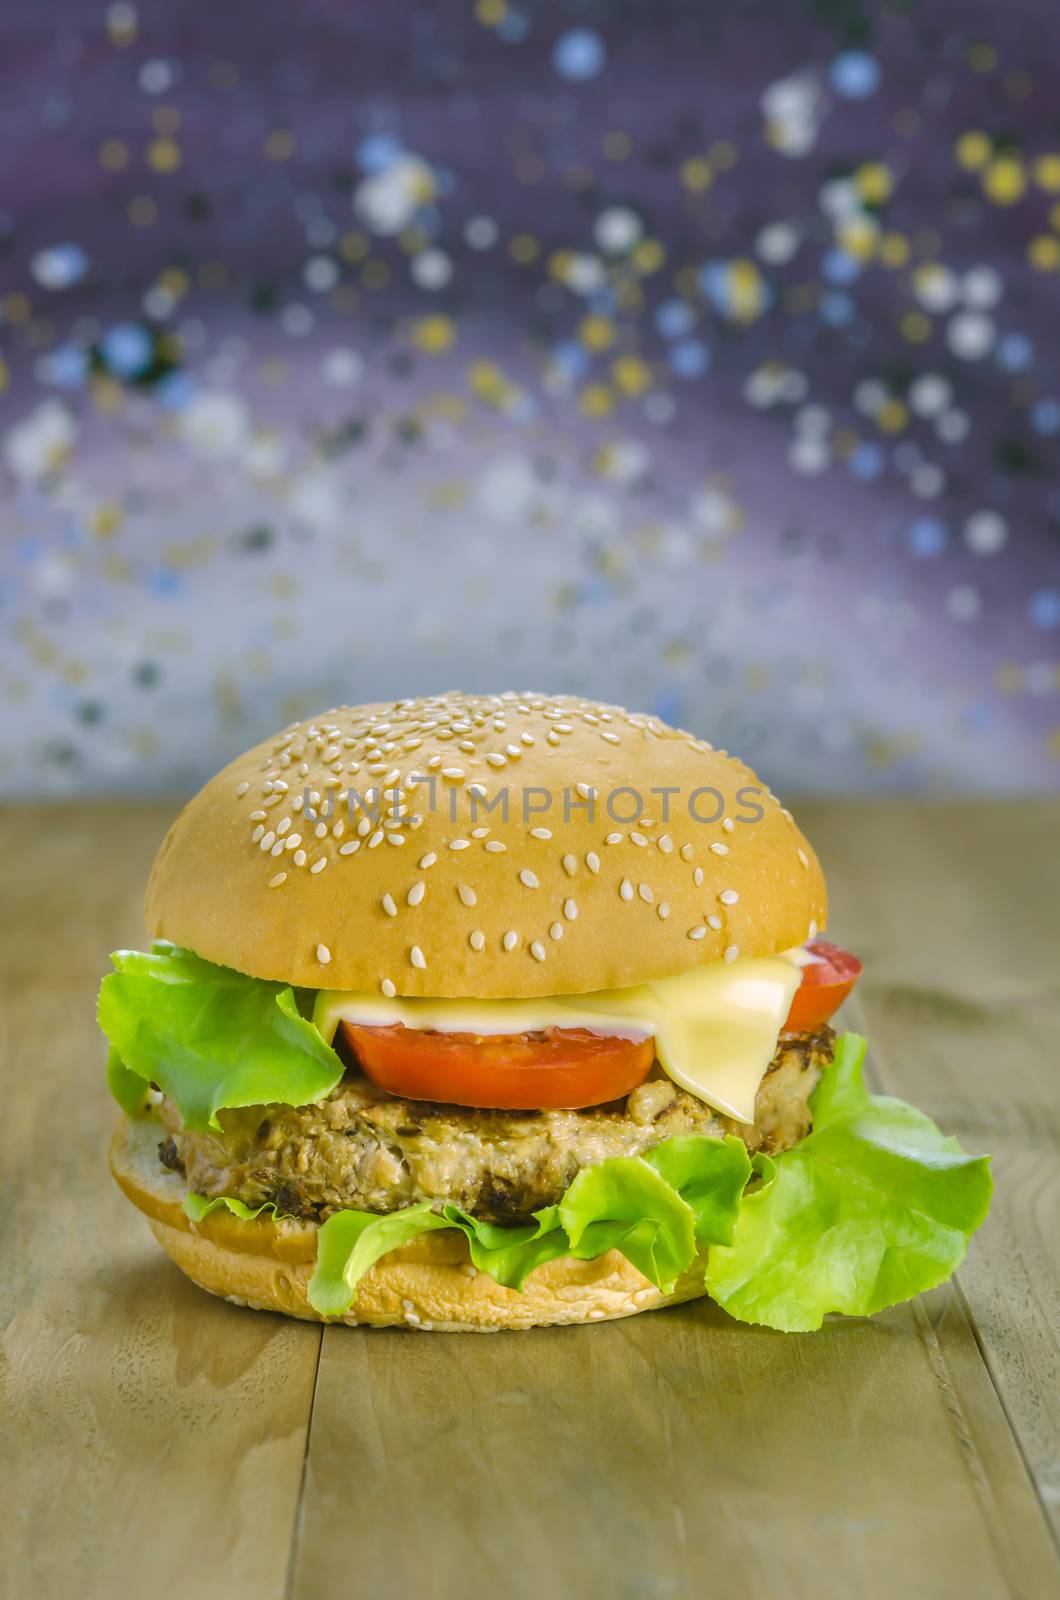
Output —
(363, 1149)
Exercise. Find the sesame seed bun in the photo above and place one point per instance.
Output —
(447, 899)
(430, 1284)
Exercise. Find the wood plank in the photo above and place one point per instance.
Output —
(647, 1456)
(154, 1436)
(955, 910)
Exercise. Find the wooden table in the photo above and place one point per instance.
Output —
(159, 1441)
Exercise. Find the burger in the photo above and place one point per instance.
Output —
(495, 1011)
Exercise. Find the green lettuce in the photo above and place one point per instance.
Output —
(209, 1037)
(873, 1207)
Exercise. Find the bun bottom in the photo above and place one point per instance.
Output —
(430, 1284)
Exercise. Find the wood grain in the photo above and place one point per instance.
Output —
(961, 1000)
(156, 1437)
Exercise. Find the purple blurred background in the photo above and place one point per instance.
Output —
(702, 358)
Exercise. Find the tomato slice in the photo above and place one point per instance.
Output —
(562, 1068)
(826, 982)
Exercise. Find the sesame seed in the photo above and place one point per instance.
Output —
(258, 831)
(612, 738)
(351, 848)
(552, 736)
(292, 841)
(728, 897)
(731, 952)
(417, 957)
(570, 865)
(319, 864)
(592, 861)
(646, 892)
(570, 910)
(665, 844)
(728, 824)
(812, 931)
(387, 988)
(719, 849)
(416, 893)
(280, 877)
(428, 860)
(476, 939)
(467, 894)
(697, 877)
(495, 846)
(377, 838)
(529, 879)
(687, 852)
(663, 909)
(637, 838)
(268, 840)
(496, 759)
(285, 826)
(556, 931)
(453, 772)
(510, 940)
(625, 889)
(584, 789)
(537, 950)
(714, 922)
(698, 932)
(277, 849)
(613, 838)
(803, 857)
(540, 833)
(257, 816)
(242, 789)
(300, 858)
(388, 905)
(321, 830)
(323, 954)
(460, 844)
(480, 833)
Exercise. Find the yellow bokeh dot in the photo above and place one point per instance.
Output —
(915, 327)
(142, 211)
(648, 256)
(279, 145)
(596, 333)
(1047, 173)
(616, 145)
(16, 309)
(1052, 742)
(5, 376)
(894, 250)
(1005, 181)
(723, 154)
(844, 442)
(353, 246)
(630, 295)
(631, 375)
(524, 249)
(1043, 253)
(559, 264)
(859, 237)
(596, 400)
(164, 155)
(113, 155)
(413, 240)
(973, 150)
(490, 12)
(696, 174)
(874, 182)
(982, 57)
(434, 335)
(892, 416)
(175, 281)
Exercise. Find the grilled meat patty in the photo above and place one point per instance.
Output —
(363, 1149)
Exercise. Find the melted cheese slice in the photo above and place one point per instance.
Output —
(715, 1028)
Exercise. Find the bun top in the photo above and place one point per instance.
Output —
(486, 846)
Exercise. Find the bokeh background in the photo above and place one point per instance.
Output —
(700, 357)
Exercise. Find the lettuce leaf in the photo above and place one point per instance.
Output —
(208, 1036)
(874, 1206)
